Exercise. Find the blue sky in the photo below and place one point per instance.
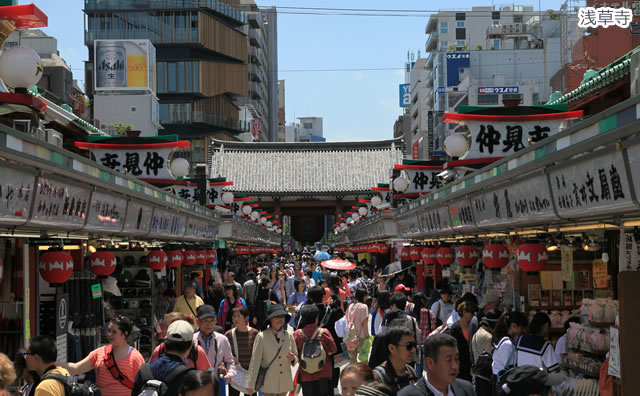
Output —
(355, 105)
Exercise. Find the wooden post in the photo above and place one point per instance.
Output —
(629, 295)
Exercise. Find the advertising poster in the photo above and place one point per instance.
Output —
(124, 65)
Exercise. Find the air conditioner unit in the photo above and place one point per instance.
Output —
(54, 137)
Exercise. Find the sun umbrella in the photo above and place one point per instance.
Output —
(394, 268)
(338, 264)
(322, 255)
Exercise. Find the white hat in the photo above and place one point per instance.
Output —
(110, 285)
(180, 331)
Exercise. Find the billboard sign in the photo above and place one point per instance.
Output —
(405, 95)
(124, 65)
(455, 62)
(498, 90)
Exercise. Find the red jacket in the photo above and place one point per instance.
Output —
(329, 348)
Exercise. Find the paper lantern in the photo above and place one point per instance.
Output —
(175, 258)
(212, 256)
(201, 257)
(414, 253)
(102, 263)
(429, 255)
(445, 256)
(495, 256)
(189, 258)
(20, 67)
(56, 266)
(403, 253)
(157, 259)
(467, 255)
(532, 257)
(383, 248)
(373, 248)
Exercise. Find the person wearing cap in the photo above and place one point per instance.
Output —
(215, 345)
(482, 343)
(189, 302)
(178, 343)
(530, 380)
(490, 302)
(440, 376)
(443, 307)
(127, 359)
(274, 348)
(197, 357)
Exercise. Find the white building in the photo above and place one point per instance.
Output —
(308, 129)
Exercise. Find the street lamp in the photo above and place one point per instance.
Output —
(456, 145)
(227, 198)
(376, 201)
(179, 167)
(20, 67)
(254, 215)
(363, 211)
(246, 210)
(263, 220)
(400, 184)
(355, 217)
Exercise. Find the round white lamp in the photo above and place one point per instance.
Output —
(254, 215)
(269, 224)
(400, 184)
(355, 217)
(456, 145)
(343, 226)
(279, 230)
(20, 67)
(363, 211)
(246, 210)
(263, 220)
(227, 197)
(350, 221)
(179, 167)
(376, 201)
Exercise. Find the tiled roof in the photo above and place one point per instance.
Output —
(305, 168)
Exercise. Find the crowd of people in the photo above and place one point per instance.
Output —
(350, 333)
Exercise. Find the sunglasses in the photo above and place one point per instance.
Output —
(25, 353)
(409, 345)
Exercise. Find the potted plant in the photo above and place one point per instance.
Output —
(125, 129)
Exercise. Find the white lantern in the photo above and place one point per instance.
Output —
(246, 210)
(269, 224)
(20, 67)
(456, 145)
(254, 215)
(350, 221)
(363, 211)
(343, 226)
(179, 167)
(376, 201)
(263, 220)
(355, 217)
(400, 184)
(227, 198)
(279, 230)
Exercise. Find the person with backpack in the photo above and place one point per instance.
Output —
(215, 344)
(482, 347)
(396, 371)
(41, 355)
(231, 301)
(197, 357)
(315, 346)
(425, 317)
(165, 375)
(509, 328)
(357, 322)
(315, 296)
(460, 331)
(379, 311)
(115, 364)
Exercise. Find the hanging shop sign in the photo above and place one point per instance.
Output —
(629, 258)
(16, 193)
(106, 212)
(435, 221)
(200, 229)
(423, 181)
(167, 224)
(59, 204)
(461, 215)
(407, 226)
(519, 202)
(138, 218)
(598, 185)
(494, 136)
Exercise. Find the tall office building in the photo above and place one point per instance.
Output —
(201, 52)
(480, 57)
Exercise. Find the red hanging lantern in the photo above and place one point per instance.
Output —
(403, 253)
(383, 248)
(445, 256)
(157, 259)
(495, 256)
(102, 263)
(189, 258)
(201, 257)
(532, 257)
(212, 256)
(429, 255)
(414, 253)
(56, 266)
(467, 255)
(175, 258)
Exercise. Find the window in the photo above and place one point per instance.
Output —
(461, 16)
(535, 98)
(495, 22)
(512, 96)
(487, 99)
(495, 15)
(461, 34)
(444, 31)
(444, 24)
(460, 24)
(517, 18)
(461, 43)
(496, 44)
(444, 45)
(171, 77)
(307, 125)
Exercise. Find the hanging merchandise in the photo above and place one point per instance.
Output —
(157, 259)
(532, 257)
(445, 256)
(102, 263)
(56, 266)
(495, 256)
(467, 255)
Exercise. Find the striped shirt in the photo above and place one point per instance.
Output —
(535, 351)
(245, 341)
(128, 366)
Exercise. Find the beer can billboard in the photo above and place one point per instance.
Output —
(124, 65)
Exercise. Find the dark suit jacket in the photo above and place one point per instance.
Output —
(459, 387)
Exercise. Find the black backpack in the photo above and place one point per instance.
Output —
(482, 366)
(159, 387)
(74, 386)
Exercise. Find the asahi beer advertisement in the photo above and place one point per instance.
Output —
(124, 65)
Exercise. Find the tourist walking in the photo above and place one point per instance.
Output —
(242, 338)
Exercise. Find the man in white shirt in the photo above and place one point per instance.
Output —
(442, 366)
(443, 307)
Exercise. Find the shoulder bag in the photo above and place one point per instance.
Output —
(240, 380)
(262, 372)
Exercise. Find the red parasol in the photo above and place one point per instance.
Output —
(338, 264)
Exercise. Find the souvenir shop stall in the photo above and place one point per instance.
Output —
(81, 242)
(551, 230)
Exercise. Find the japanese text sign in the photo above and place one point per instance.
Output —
(58, 203)
(461, 215)
(166, 223)
(590, 17)
(435, 220)
(106, 212)
(141, 163)
(629, 258)
(16, 193)
(138, 218)
(423, 181)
